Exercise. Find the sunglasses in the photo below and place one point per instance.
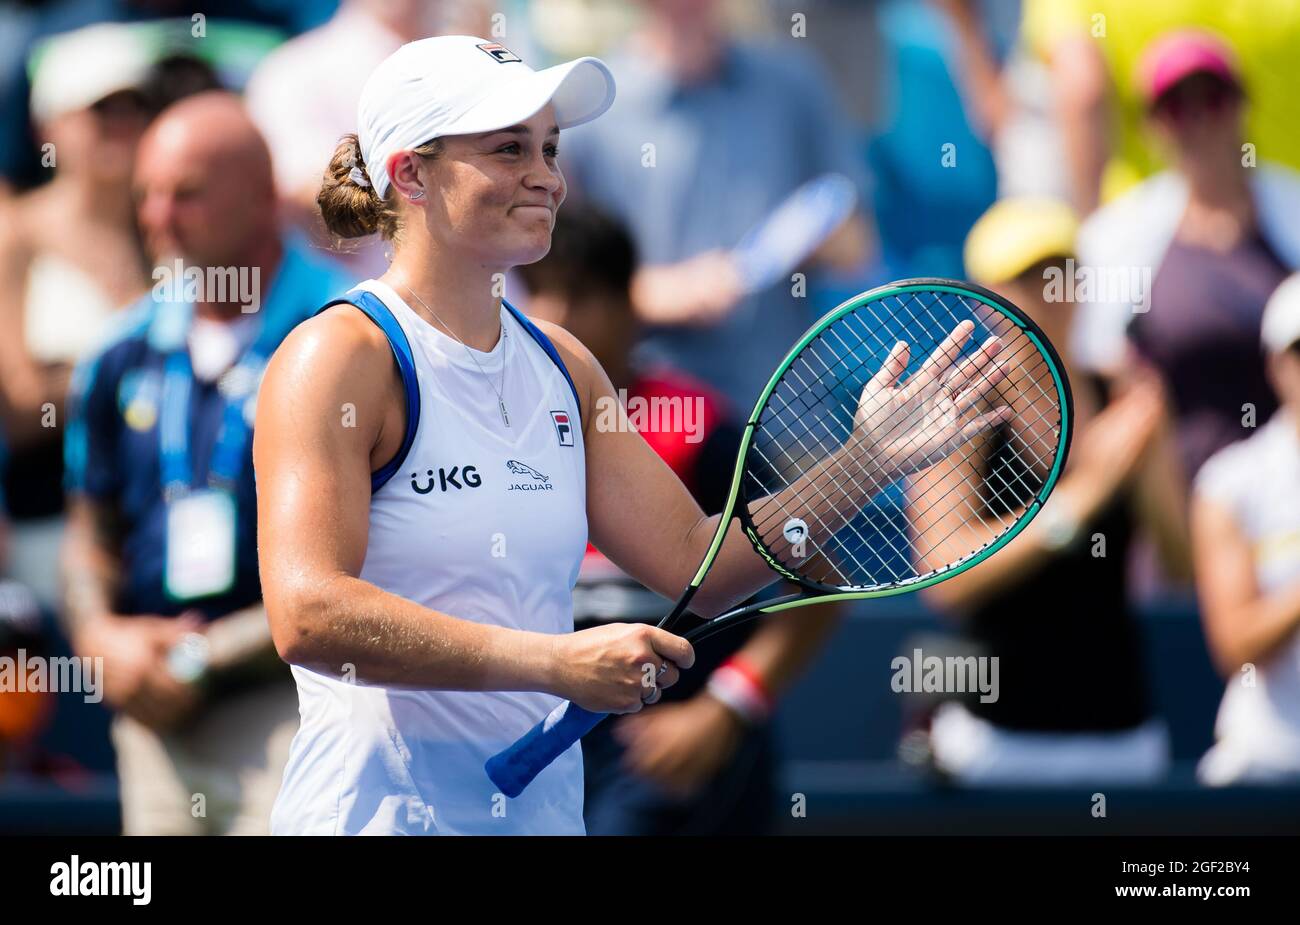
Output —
(1196, 97)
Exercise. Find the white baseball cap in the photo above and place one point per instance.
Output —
(463, 85)
(75, 70)
(1281, 325)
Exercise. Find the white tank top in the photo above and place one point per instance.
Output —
(1258, 727)
(486, 523)
(66, 311)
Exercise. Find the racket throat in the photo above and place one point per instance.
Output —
(668, 622)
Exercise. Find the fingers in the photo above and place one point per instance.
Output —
(978, 373)
(656, 680)
(991, 419)
(894, 366)
(657, 676)
(669, 675)
(944, 355)
(979, 392)
(674, 648)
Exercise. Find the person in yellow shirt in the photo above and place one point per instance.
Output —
(1092, 50)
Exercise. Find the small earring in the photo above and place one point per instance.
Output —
(417, 195)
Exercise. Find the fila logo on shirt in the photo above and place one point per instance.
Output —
(563, 427)
(498, 53)
(457, 477)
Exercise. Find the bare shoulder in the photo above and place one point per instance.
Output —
(338, 341)
(588, 376)
(338, 355)
(28, 217)
(13, 225)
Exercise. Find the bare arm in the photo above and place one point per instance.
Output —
(1106, 457)
(783, 647)
(134, 646)
(1160, 499)
(89, 563)
(643, 518)
(848, 246)
(987, 102)
(1082, 97)
(313, 515)
(945, 533)
(242, 641)
(639, 513)
(24, 385)
(1242, 624)
(313, 477)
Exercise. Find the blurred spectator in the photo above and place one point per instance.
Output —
(1246, 531)
(1213, 237)
(303, 96)
(708, 136)
(1007, 94)
(25, 24)
(933, 173)
(1092, 51)
(703, 761)
(69, 258)
(160, 561)
(1052, 606)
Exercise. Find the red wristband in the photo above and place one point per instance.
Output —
(736, 684)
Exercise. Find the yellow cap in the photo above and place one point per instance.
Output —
(1016, 233)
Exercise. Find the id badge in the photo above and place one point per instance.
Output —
(200, 545)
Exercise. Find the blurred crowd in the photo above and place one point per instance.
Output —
(1144, 154)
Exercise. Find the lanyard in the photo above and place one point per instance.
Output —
(176, 467)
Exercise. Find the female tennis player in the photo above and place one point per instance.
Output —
(429, 473)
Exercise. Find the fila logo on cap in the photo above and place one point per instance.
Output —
(499, 53)
(563, 429)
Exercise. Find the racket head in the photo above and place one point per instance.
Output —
(807, 410)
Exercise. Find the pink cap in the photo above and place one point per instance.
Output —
(1178, 55)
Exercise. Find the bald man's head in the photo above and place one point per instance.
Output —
(204, 183)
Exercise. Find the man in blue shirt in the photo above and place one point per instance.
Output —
(708, 136)
(160, 561)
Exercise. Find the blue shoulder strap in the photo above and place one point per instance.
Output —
(379, 313)
(545, 343)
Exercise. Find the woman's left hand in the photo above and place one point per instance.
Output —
(902, 428)
(679, 747)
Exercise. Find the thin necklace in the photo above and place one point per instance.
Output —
(501, 402)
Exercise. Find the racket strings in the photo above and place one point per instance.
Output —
(799, 475)
(912, 552)
(828, 531)
(1002, 485)
(1038, 357)
(821, 391)
(799, 415)
(838, 546)
(1008, 487)
(827, 390)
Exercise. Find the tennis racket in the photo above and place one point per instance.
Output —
(839, 478)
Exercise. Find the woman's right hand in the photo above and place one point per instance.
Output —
(616, 668)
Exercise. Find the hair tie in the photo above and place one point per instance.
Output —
(359, 178)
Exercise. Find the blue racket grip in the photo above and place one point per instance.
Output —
(514, 769)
